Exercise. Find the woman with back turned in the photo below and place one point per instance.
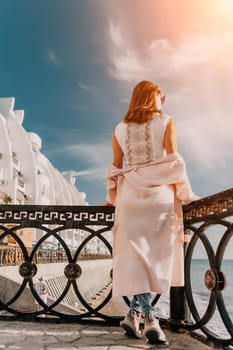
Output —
(148, 192)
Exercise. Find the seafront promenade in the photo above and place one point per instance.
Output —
(47, 336)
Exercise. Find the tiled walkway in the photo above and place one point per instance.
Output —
(44, 336)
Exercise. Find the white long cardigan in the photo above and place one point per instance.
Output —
(148, 229)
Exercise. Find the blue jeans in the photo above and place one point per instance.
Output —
(141, 303)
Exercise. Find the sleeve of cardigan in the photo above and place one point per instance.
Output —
(183, 188)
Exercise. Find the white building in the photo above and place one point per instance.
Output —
(28, 177)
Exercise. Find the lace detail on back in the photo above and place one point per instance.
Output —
(138, 143)
(142, 143)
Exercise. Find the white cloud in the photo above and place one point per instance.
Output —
(85, 87)
(115, 34)
(98, 155)
(91, 173)
(52, 58)
(160, 57)
(205, 144)
(196, 74)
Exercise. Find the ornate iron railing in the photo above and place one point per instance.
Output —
(208, 217)
(97, 221)
(53, 221)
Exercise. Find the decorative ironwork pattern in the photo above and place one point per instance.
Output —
(53, 221)
(74, 215)
(27, 270)
(199, 216)
(215, 280)
(219, 205)
(72, 271)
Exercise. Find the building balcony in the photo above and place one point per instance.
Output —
(21, 185)
(15, 162)
(1, 173)
(2, 181)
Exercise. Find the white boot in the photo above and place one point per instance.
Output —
(130, 324)
(152, 330)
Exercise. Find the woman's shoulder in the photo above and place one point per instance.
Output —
(120, 126)
(162, 118)
(119, 129)
(167, 117)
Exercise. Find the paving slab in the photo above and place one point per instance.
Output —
(46, 336)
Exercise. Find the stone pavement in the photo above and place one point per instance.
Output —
(46, 336)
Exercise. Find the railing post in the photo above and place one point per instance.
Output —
(179, 310)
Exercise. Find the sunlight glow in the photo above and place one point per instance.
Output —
(224, 8)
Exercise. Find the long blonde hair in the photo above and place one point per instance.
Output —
(142, 105)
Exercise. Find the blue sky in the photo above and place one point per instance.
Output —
(71, 65)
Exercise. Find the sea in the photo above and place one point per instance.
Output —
(201, 295)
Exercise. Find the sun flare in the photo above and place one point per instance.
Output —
(222, 7)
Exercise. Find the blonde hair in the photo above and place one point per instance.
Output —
(142, 105)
